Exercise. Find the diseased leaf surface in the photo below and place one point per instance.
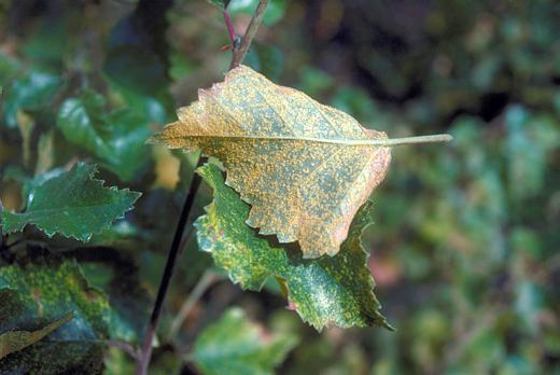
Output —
(234, 345)
(304, 167)
(37, 293)
(334, 290)
(73, 204)
(13, 341)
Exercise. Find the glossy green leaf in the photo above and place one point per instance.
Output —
(73, 204)
(117, 139)
(334, 290)
(35, 294)
(234, 345)
(33, 92)
(13, 341)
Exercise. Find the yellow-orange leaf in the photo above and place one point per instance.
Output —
(304, 167)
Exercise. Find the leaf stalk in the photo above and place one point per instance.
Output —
(240, 53)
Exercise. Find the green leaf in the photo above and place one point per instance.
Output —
(114, 273)
(13, 341)
(8, 67)
(234, 345)
(329, 290)
(117, 139)
(529, 139)
(39, 292)
(136, 62)
(32, 92)
(73, 204)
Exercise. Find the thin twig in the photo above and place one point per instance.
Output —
(230, 29)
(146, 351)
(207, 279)
(124, 346)
(240, 53)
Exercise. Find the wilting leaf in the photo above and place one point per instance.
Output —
(73, 204)
(305, 168)
(13, 341)
(234, 345)
(334, 290)
(37, 293)
(116, 138)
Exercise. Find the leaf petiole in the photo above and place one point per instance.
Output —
(411, 140)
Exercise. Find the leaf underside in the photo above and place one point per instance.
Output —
(328, 291)
(304, 167)
(13, 341)
(35, 294)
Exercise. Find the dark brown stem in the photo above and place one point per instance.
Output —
(230, 29)
(240, 53)
(146, 353)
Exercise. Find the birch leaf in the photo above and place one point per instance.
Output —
(327, 291)
(305, 168)
(73, 204)
(14, 341)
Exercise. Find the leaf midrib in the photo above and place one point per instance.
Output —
(342, 142)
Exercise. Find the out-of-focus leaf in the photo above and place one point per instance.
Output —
(39, 292)
(266, 59)
(136, 61)
(45, 152)
(26, 126)
(220, 3)
(13, 341)
(304, 167)
(32, 92)
(117, 139)
(355, 102)
(8, 68)
(234, 345)
(334, 290)
(73, 204)
(274, 11)
(529, 140)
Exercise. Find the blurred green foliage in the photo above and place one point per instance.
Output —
(465, 248)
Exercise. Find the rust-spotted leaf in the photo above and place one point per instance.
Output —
(304, 167)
